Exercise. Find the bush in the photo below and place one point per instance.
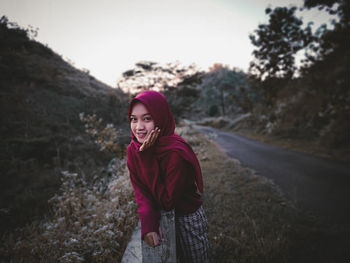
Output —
(90, 224)
(213, 110)
(91, 220)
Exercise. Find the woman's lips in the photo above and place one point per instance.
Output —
(141, 135)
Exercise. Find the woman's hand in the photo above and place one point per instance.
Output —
(152, 137)
(152, 239)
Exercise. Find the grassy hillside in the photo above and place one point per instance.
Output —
(41, 96)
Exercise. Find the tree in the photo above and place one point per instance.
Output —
(338, 7)
(331, 41)
(329, 69)
(277, 43)
(225, 88)
(148, 75)
(29, 32)
(182, 97)
(177, 82)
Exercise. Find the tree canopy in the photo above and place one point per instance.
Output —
(277, 42)
(225, 91)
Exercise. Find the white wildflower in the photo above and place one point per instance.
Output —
(110, 232)
(108, 215)
(73, 240)
(61, 219)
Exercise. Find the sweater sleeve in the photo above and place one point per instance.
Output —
(149, 214)
(177, 177)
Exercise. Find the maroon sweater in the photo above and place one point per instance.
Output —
(173, 188)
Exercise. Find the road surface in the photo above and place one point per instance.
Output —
(315, 184)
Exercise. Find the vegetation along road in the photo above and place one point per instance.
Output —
(318, 185)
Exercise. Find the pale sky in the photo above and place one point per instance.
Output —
(108, 37)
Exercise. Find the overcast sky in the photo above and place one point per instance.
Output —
(108, 37)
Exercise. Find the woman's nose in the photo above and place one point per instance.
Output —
(140, 125)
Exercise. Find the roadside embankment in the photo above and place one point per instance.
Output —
(251, 126)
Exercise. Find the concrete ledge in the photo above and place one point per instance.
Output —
(138, 251)
(166, 251)
(132, 252)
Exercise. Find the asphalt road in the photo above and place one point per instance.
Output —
(318, 185)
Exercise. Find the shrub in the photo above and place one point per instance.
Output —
(107, 138)
(89, 224)
(213, 110)
(91, 221)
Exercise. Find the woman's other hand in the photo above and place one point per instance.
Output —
(152, 239)
(151, 139)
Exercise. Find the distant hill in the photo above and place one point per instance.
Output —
(41, 96)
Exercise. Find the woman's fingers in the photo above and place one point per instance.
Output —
(152, 239)
(150, 140)
(154, 136)
(149, 239)
(155, 239)
(145, 143)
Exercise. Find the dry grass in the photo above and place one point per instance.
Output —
(89, 223)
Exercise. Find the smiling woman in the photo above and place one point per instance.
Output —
(166, 176)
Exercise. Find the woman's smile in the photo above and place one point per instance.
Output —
(141, 135)
(141, 122)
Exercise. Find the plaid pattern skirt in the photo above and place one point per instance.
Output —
(192, 237)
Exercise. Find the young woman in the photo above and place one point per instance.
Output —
(166, 175)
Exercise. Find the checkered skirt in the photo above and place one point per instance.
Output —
(192, 237)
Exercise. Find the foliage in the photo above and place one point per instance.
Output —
(182, 97)
(41, 98)
(329, 41)
(338, 7)
(328, 75)
(28, 33)
(314, 105)
(91, 220)
(93, 212)
(153, 76)
(177, 82)
(213, 110)
(277, 43)
(225, 88)
(89, 224)
(107, 138)
(330, 61)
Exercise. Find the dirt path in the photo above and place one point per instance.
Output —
(315, 184)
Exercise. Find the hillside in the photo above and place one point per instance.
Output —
(41, 96)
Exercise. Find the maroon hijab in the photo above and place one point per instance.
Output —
(167, 141)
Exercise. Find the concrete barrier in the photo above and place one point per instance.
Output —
(166, 251)
(132, 253)
(138, 251)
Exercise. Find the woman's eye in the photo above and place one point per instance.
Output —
(147, 118)
(132, 119)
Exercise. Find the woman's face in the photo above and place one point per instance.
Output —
(141, 122)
